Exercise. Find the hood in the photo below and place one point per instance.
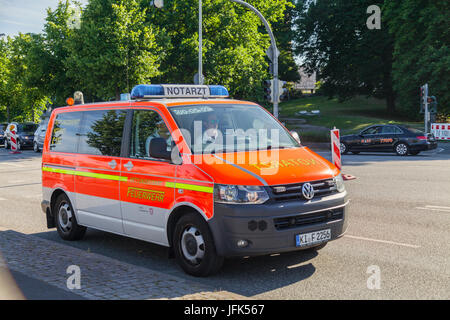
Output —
(273, 167)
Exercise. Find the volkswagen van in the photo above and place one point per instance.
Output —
(185, 167)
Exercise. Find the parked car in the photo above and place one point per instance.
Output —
(39, 136)
(388, 138)
(2, 133)
(25, 135)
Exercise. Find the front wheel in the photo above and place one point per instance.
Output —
(194, 246)
(36, 147)
(401, 149)
(6, 144)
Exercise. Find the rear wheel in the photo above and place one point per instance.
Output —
(344, 148)
(35, 147)
(65, 220)
(6, 144)
(401, 149)
(194, 246)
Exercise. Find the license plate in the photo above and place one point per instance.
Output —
(306, 239)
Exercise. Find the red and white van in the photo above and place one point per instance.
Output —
(184, 167)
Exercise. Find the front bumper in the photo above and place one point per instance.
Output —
(26, 142)
(232, 223)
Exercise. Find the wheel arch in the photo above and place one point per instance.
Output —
(179, 211)
(55, 194)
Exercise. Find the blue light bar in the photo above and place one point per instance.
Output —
(144, 91)
(218, 91)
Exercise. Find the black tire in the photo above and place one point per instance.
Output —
(6, 144)
(401, 149)
(36, 147)
(66, 223)
(414, 153)
(19, 146)
(344, 148)
(189, 231)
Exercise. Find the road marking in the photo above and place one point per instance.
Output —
(2, 199)
(435, 208)
(384, 241)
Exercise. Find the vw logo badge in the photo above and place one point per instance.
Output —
(308, 191)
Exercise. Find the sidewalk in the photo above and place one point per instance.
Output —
(103, 278)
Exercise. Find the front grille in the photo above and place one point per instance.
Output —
(308, 219)
(294, 191)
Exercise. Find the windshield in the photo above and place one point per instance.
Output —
(27, 128)
(414, 130)
(213, 128)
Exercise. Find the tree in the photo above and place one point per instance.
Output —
(234, 43)
(421, 50)
(113, 49)
(284, 33)
(58, 35)
(332, 38)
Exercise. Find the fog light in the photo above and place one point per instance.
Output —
(262, 225)
(252, 225)
(242, 243)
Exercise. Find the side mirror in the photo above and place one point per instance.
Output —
(296, 136)
(158, 149)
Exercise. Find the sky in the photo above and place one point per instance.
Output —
(24, 15)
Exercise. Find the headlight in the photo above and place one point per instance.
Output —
(239, 194)
(339, 183)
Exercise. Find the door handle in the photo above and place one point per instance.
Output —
(112, 164)
(128, 165)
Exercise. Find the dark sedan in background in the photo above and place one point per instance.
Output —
(25, 135)
(2, 132)
(388, 138)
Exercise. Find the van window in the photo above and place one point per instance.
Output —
(213, 128)
(65, 129)
(147, 124)
(101, 132)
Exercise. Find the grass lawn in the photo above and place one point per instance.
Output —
(349, 117)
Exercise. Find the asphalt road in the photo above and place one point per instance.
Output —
(399, 227)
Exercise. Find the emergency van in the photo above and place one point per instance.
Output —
(185, 167)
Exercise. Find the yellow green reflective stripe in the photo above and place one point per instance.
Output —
(85, 174)
(192, 187)
(185, 186)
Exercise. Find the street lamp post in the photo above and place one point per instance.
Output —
(200, 43)
(273, 54)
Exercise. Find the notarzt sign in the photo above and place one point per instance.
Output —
(186, 91)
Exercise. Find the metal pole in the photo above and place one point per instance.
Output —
(274, 53)
(426, 106)
(200, 43)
